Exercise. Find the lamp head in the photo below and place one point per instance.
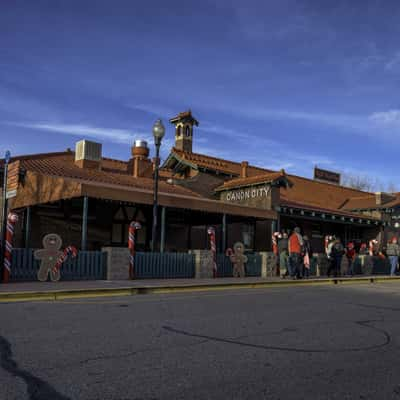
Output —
(7, 156)
(158, 131)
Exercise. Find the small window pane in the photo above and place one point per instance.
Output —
(117, 233)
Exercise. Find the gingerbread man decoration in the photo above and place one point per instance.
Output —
(48, 257)
(238, 259)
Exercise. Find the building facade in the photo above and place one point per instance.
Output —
(90, 200)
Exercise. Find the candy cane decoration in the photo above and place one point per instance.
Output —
(133, 227)
(326, 244)
(275, 237)
(70, 250)
(12, 219)
(371, 246)
(328, 239)
(211, 234)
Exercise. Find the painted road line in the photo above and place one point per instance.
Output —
(129, 291)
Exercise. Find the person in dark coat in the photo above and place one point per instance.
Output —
(393, 252)
(336, 257)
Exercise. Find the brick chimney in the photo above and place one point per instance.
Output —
(140, 162)
(243, 169)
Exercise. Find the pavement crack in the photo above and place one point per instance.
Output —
(364, 324)
(113, 357)
(123, 356)
(37, 388)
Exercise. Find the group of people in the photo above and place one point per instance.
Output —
(294, 254)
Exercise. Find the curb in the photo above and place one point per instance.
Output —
(8, 297)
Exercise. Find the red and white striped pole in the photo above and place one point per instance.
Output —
(372, 244)
(326, 243)
(211, 234)
(12, 219)
(133, 227)
(275, 237)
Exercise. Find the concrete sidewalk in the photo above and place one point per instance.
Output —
(34, 291)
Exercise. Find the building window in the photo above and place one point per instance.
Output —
(248, 236)
(187, 131)
(178, 131)
(117, 233)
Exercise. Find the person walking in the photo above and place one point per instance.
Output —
(393, 252)
(295, 251)
(364, 256)
(351, 256)
(307, 254)
(336, 255)
(328, 251)
(283, 247)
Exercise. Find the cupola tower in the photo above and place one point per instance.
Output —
(184, 123)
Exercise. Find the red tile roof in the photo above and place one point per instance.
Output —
(317, 194)
(112, 172)
(253, 180)
(305, 191)
(184, 115)
(369, 202)
(217, 164)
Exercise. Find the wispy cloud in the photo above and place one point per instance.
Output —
(385, 123)
(390, 117)
(331, 119)
(375, 60)
(122, 136)
(154, 109)
(393, 63)
(259, 151)
(110, 135)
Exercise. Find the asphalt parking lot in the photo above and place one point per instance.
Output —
(319, 342)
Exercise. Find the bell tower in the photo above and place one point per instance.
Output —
(184, 123)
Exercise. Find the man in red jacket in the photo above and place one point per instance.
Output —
(295, 251)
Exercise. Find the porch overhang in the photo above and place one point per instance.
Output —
(326, 215)
(174, 201)
(42, 189)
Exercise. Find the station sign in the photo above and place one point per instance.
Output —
(258, 196)
(324, 175)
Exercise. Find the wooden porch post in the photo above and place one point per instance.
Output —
(163, 218)
(85, 222)
(223, 233)
(273, 226)
(27, 226)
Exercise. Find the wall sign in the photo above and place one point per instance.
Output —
(249, 193)
(326, 176)
(253, 196)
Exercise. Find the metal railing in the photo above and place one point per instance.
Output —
(87, 265)
(164, 265)
(252, 267)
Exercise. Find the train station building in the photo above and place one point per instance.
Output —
(89, 200)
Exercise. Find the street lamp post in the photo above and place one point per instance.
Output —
(4, 208)
(158, 133)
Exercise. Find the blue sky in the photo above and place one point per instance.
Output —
(283, 84)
